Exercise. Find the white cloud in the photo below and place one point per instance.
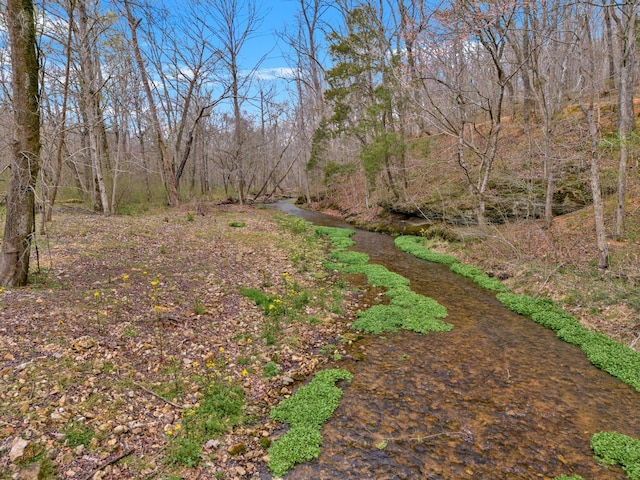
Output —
(277, 73)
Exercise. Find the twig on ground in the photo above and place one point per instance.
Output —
(156, 395)
(548, 277)
(109, 461)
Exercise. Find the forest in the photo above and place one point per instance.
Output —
(139, 137)
(469, 112)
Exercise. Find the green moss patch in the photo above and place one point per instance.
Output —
(406, 310)
(616, 449)
(305, 412)
(220, 409)
(352, 258)
(415, 246)
(605, 353)
(478, 276)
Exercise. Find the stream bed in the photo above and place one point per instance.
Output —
(498, 397)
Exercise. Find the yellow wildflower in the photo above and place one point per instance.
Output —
(96, 294)
(178, 426)
(169, 432)
(195, 364)
(249, 341)
(244, 372)
(155, 283)
(125, 277)
(221, 349)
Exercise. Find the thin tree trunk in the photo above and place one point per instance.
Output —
(611, 64)
(19, 223)
(90, 102)
(598, 208)
(626, 119)
(65, 96)
(170, 178)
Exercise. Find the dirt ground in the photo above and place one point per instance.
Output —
(129, 318)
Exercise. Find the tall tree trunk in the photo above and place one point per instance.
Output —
(590, 57)
(529, 104)
(65, 96)
(90, 87)
(549, 169)
(611, 63)
(170, 178)
(19, 223)
(626, 119)
(598, 209)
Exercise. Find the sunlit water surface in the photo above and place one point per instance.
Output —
(498, 397)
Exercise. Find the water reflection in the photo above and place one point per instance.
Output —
(498, 397)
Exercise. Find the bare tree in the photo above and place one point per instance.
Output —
(309, 82)
(626, 22)
(57, 169)
(588, 88)
(20, 223)
(545, 54)
(170, 178)
(465, 77)
(91, 104)
(233, 23)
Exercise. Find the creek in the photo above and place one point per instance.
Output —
(498, 397)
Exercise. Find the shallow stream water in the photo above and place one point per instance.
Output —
(498, 397)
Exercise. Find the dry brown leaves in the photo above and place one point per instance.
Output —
(127, 312)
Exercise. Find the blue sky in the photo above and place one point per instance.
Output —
(279, 15)
(266, 42)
